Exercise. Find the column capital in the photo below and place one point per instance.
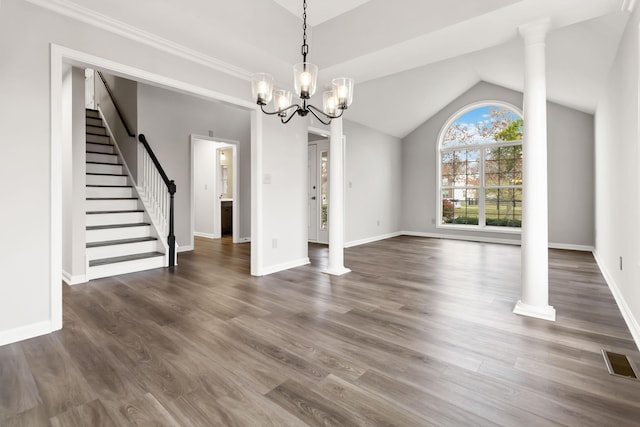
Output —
(535, 31)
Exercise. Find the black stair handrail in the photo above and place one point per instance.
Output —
(171, 188)
(115, 104)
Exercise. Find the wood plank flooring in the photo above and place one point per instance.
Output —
(420, 333)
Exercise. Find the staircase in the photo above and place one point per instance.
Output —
(120, 238)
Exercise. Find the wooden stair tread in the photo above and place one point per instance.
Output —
(112, 226)
(121, 242)
(99, 152)
(103, 163)
(125, 258)
(114, 212)
(112, 198)
(109, 186)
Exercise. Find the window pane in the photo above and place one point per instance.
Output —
(503, 207)
(324, 190)
(460, 206)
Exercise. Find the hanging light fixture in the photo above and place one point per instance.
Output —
(305, 75)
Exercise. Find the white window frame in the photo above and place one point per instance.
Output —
(481, 189)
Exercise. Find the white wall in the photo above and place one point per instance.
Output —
(570, 169)
(168, 119)
(204, 171)
(285, 197)
(617, 186)
(373, 184)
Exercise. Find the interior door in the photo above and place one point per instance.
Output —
(313, 193)
(323, 191)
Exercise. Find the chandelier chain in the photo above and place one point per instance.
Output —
(305, 46)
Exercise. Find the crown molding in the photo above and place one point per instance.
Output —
(80, 13)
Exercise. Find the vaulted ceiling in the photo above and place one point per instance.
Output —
(409, 58)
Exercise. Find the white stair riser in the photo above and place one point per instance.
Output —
(125, 267)
(117, 233)
(96, 130)
(107, 192)
(102, 158)
(96, 168)
(121, 250)
(98, 138)
(94, 121)
(111, 205)
(100, 148)
(106, 180)
(115, 218)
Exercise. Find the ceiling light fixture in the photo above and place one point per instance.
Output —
(305, 74)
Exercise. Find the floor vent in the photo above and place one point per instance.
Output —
(620, 365)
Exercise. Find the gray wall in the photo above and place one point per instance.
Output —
(373, 183)
(570, 171)
(168, 119)
(125, 96)
(617, 187)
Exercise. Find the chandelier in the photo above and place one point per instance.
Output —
(305, 74)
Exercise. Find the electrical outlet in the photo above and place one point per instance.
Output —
(274, 243)
(433, 220)
(210, 134)
(378, 223)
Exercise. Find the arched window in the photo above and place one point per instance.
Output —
(480, 168)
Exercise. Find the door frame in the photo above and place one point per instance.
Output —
(235, 146)
(326, 134)
(60, 55)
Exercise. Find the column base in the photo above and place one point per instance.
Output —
(336, 271)
(546, 312)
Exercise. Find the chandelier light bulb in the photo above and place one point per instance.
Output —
(305, 76)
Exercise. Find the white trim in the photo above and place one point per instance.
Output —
(26, 332)
(371, 239)
(184, 248)
(562, 246)
(205, 235)
(55, 322)
(460, 237)
(80, 13)
(627, 314)
(570, 247)
(284, 266)
(485, 229)
(257, 193)
(628, 5)
(74, 280)
(244, 240)
(546, 312)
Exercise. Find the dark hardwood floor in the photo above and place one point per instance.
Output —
(420, 333)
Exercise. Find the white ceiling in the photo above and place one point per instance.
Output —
(319, 11)
(409, 58)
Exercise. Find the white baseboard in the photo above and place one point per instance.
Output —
(185, 248)
(25, 332)
(74, 280)
(205, 235)
(244, 240)
(459, 237)
(371, 239)
(564, 246)
(632, 322)
(284, 266)
(569, 247)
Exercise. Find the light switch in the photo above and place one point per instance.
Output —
(266, 179)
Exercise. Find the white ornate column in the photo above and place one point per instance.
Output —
(336, 201)
(534, 300)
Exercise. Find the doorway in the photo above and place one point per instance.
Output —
(318, 171)
(215, 197)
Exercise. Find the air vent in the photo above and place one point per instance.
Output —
(619, 365)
